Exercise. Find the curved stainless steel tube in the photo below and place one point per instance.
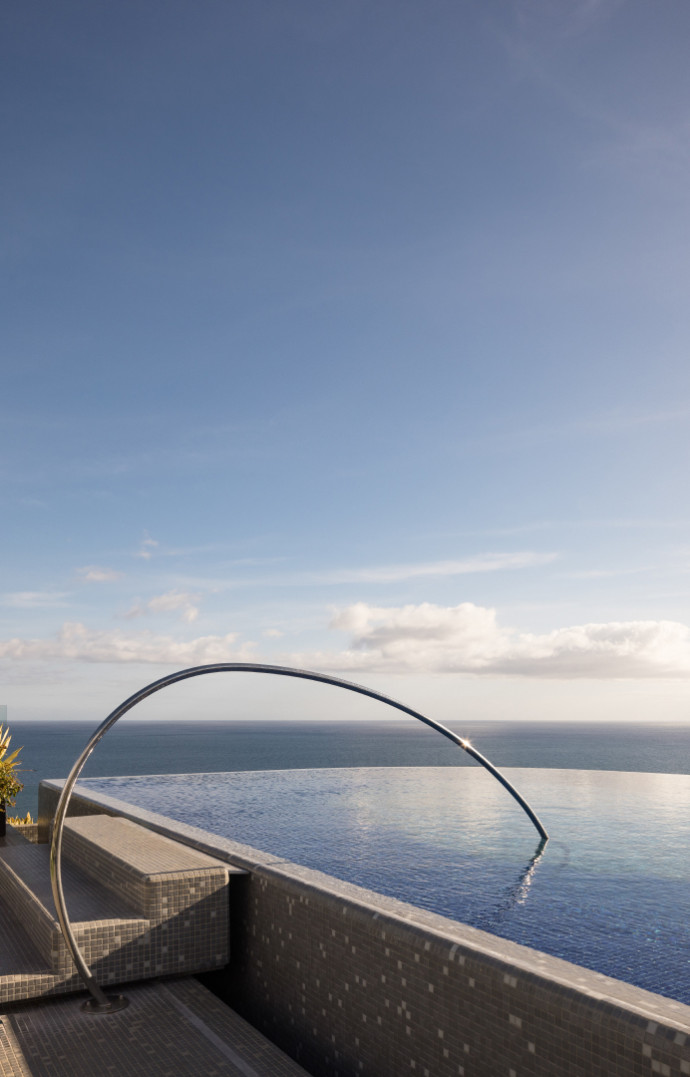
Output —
(102, 1004)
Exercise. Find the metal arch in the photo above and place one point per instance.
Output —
(101, 1003)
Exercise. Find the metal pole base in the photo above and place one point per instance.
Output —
(114, 1003)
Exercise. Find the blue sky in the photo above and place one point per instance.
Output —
(353, 336)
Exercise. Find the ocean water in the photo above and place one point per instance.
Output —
(133, 747)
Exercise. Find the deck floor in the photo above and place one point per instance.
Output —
(174, 1028)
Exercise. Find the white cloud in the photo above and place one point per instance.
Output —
(487, 562)
(469, 639)
(33, 600)
(170, 602)
(147, 546)
(95, 574)
(420, 639)
(272, 633)
(78, 643)
(603, 573)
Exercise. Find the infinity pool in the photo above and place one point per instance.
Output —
(609, 891)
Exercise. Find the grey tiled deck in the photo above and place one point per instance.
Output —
(172, 1029)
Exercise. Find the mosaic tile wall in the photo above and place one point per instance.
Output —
(350, 990)
(349, 982)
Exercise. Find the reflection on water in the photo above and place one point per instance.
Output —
(608, 891)
(518, 893)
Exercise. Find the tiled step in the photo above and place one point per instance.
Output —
(158, 876)
(183, 893)
(24, 973)
(140, 904)
(103, 923)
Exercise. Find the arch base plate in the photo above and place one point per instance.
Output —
(114, 1003)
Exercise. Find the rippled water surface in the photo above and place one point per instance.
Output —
(609, 892)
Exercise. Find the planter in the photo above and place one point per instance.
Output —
(3, 819)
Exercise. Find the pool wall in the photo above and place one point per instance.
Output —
(350, 982)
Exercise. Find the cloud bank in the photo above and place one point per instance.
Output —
(422, 639)
(469, 639)
(78, 643)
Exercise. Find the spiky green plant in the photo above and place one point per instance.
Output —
(21, 820)
(10, 785)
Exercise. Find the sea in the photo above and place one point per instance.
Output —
(133, 747)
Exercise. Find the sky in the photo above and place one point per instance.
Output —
(351, 336)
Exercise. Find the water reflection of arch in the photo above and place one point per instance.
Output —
(100, 1003)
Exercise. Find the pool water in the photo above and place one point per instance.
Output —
(609, 890)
